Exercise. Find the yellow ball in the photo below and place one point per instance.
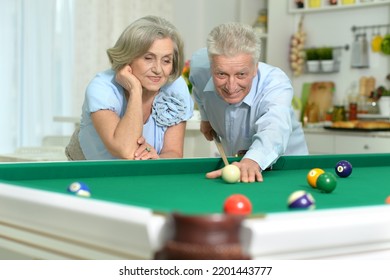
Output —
(312, 176)
(231, 174)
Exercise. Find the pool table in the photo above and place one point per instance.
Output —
(127, 215)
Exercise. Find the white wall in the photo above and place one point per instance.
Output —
(280, 28)
(96, 30)
(332, 28)
(97, 26)
(195, 19)
(103, 20)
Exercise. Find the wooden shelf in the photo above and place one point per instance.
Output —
(324, 5)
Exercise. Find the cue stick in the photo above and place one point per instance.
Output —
(218, 143)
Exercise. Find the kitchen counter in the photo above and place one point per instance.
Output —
(322, 130)
(325, 141)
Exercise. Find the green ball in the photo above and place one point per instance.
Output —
(326, 182)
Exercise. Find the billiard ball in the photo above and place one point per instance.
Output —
(387, 200)
(312, 176)
(343, 168)
(231, 173)
(80, 189)
(301, 200)
(326, 182)
(237, 204)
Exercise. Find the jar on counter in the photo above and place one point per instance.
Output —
(372, 106)
(362, 105)
(352, 114)
(339, 113)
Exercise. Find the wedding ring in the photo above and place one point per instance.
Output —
(147, 149)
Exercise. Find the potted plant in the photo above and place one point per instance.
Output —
(326, 57)
(312, 60)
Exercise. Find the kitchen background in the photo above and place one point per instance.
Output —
(51, 49)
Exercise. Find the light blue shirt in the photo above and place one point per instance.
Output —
(263, 123)
(171, 106)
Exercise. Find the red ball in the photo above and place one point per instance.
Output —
(237, 204)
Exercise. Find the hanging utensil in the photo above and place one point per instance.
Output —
(360, 52)
(376, 41)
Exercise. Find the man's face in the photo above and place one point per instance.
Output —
(233, 76)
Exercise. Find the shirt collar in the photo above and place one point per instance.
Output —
(252, 93)
(210, 85)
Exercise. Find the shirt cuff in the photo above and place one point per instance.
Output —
(264, 161)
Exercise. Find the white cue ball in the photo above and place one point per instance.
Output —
(231, 174)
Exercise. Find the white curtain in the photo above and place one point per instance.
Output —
(35, 72)
(49, 51)
(98, 25)
(8, 71)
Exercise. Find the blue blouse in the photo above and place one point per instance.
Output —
(171, 106)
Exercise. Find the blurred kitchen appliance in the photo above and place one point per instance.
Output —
(360, 48)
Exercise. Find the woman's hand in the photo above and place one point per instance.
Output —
(127, 80)
(145, 151)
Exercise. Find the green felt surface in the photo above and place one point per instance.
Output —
(180, 184)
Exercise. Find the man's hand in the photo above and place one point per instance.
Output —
(249, 169)
(206, 129)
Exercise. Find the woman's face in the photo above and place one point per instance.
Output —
(154, 67)
(233, 76)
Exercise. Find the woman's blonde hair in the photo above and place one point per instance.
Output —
(137, 38)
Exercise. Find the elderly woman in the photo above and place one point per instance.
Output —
(137, 109)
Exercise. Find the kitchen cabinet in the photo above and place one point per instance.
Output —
(195, 144)
(310, 6)
(255, 13)
(345, 144)
(321, 141)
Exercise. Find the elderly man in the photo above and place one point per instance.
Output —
(246, 102)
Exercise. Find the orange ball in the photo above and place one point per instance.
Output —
(387, 200)
(312, 176)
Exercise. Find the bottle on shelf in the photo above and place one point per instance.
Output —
(261, 23)
(352, 112)
(300, 4)
(352, 102)
(261, 27)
